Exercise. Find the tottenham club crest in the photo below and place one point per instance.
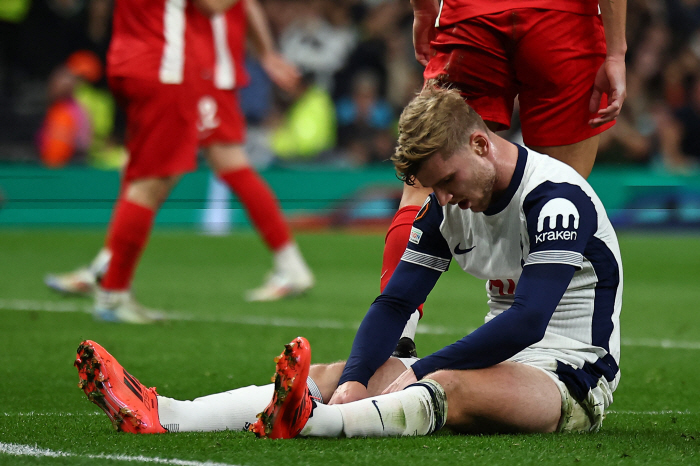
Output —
(548, 226)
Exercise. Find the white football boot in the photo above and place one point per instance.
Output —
(290, 277)
(82, 281)
(120, 306)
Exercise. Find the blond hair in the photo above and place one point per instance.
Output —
(436, 121)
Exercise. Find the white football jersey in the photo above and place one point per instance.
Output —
(548, 215)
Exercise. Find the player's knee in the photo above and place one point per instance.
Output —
(445, 378)
(226, 157)
(151, 192)
(326, 377)
(458, 385)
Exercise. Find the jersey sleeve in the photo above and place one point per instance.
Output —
(424, 260)
(561, 218)
(426, 245)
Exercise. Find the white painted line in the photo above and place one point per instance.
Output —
(649, 413)
(28, 450)
(653, 343)
(290, 322)
(48, 306)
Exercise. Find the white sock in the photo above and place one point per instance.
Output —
(289, 260)
(99, 264)
(231, 410)
(418, 410)
(410, 329)
(325, 421)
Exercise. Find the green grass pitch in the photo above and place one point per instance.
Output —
(219, 342)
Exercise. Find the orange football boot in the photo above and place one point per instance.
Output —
(291, 403)
(130, 406)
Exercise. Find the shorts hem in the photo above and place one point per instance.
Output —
(162, 174)
(568, 140)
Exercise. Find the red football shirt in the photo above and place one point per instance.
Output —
(222, 51)
(154, 40)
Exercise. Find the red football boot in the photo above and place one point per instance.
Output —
(291, 403)
(131, 407)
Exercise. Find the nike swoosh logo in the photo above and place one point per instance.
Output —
(374, 402)
(457, 249)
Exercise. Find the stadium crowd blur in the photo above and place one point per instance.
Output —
(359, 71)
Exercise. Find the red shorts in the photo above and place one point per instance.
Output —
(547, 58)
(220, 118)
(161, 127)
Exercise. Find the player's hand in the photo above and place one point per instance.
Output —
(348, 392)
(611, 80)
(283, 73)
(404, 380)
(423, 33)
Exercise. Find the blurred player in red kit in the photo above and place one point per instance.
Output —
(174, 68)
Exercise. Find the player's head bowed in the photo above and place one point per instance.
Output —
(436, 121)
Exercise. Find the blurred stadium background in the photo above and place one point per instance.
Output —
(357, 58)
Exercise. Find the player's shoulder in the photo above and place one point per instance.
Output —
(430, 213)
(554, 188)
(426, 234)
(546, 176)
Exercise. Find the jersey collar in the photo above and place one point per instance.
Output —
(503, 202)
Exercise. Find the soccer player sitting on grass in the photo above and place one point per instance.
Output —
(545, 360)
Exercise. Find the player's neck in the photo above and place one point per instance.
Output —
(505, 157)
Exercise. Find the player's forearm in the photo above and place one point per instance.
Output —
(374, 342)
(614, 13)
(258, 28)
(213, 7)
(539, 291)
(382, 326)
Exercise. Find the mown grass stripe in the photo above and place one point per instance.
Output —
(289, 322)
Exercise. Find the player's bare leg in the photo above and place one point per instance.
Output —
(225, 157)
(581, 155)
(417, 410)
(151, 192)
(327, 376)
(508, 397)
(384, 376)
(291, 275)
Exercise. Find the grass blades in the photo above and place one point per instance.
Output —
(217, 342)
